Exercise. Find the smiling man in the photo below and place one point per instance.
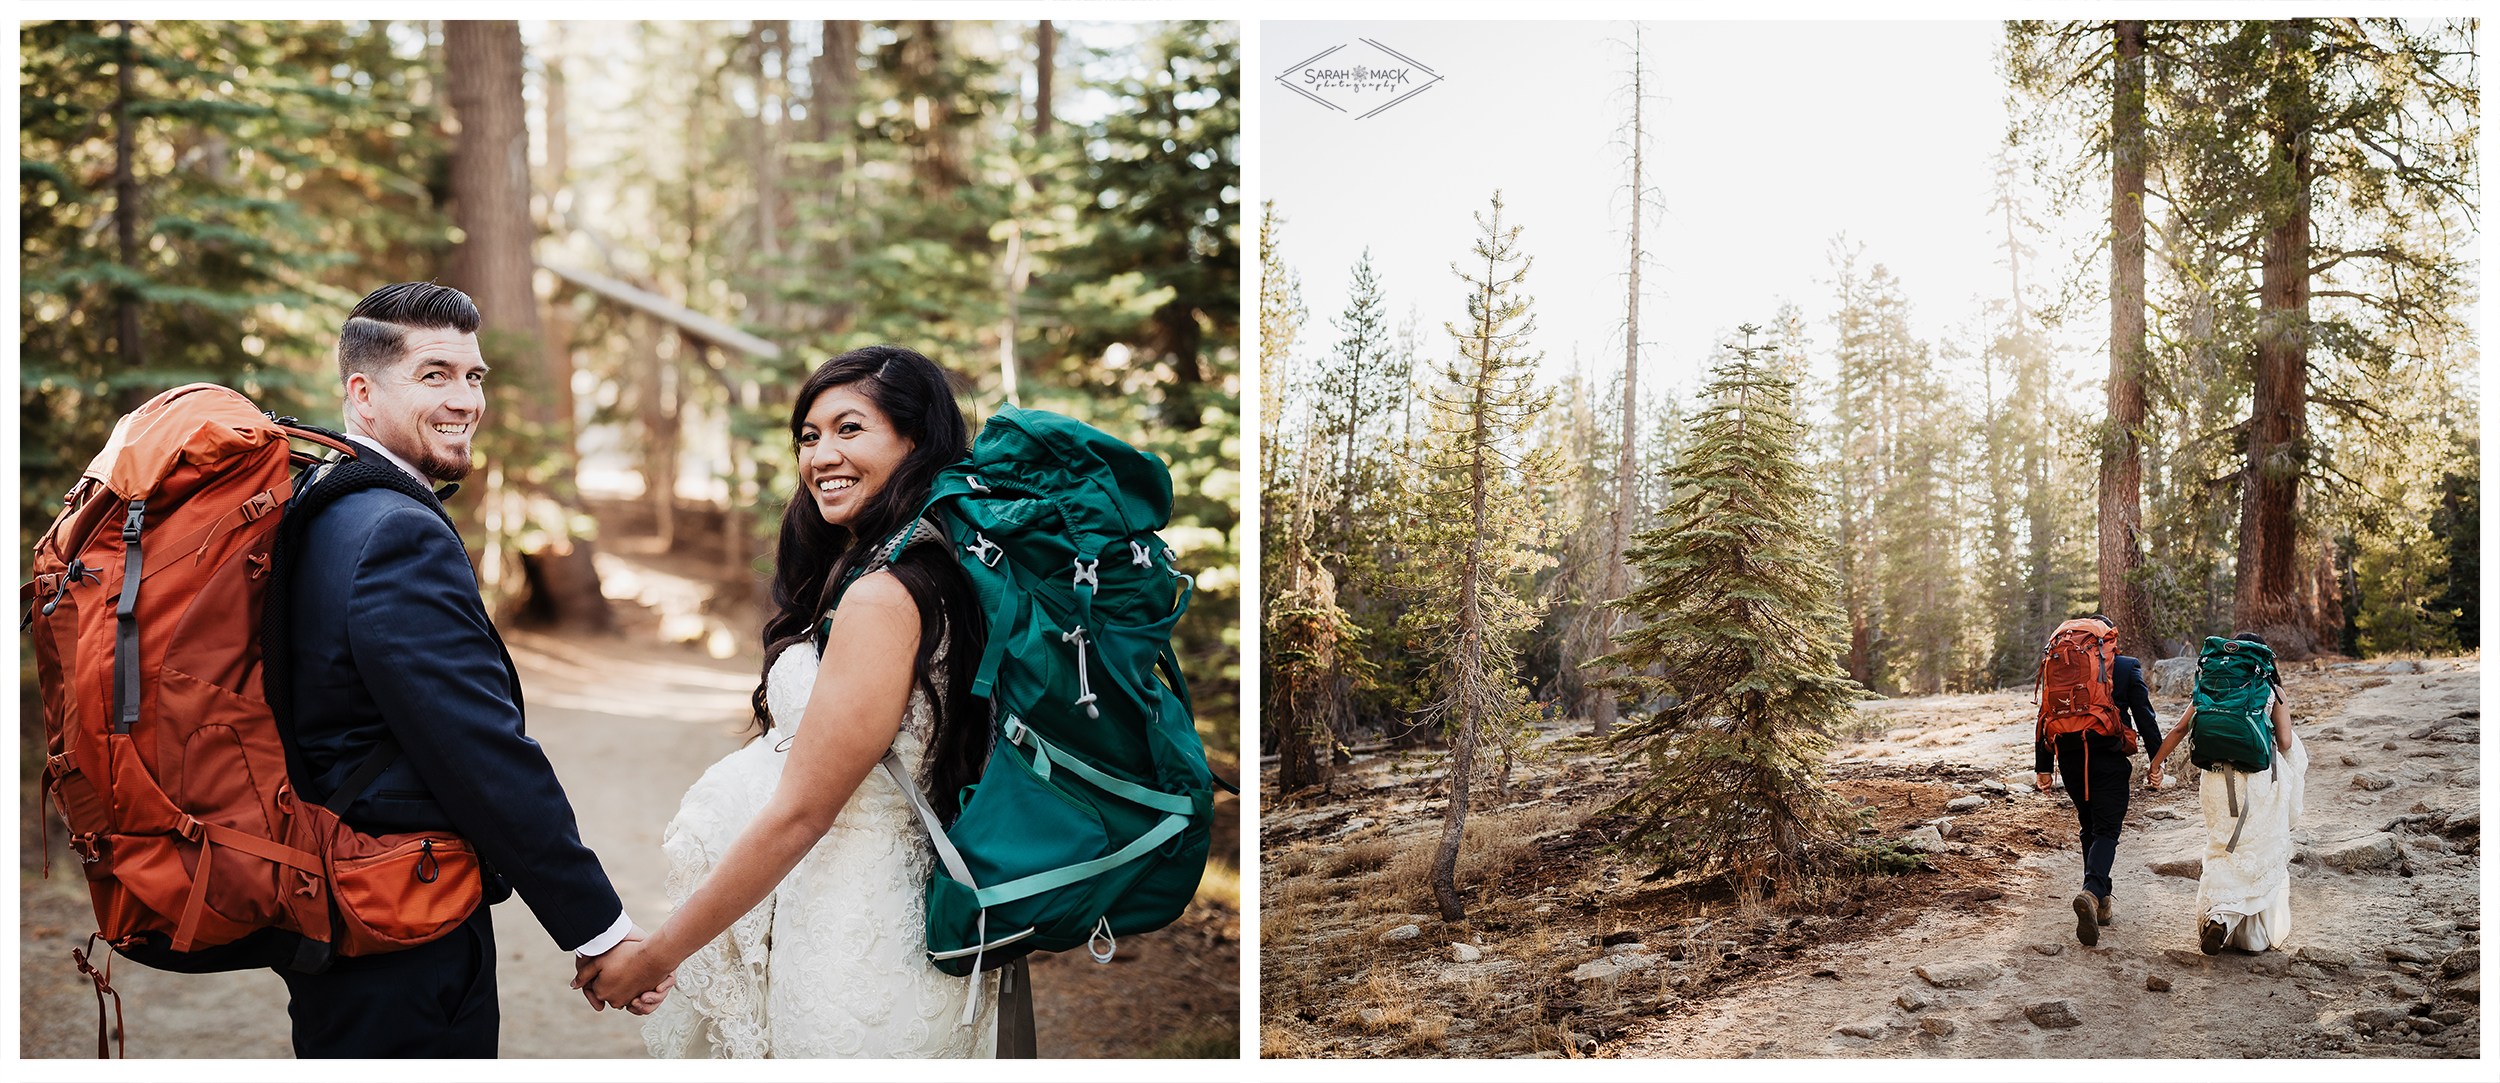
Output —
(403, 707)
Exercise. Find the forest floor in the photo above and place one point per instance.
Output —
(629, 722)
(1566, 952)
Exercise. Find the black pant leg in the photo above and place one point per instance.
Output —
(2103, 819)
(433, 1000)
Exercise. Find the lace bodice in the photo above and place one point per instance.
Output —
(832, 963)
(876, 803)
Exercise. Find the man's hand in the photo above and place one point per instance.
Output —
(2044, 780)
(2152, 777)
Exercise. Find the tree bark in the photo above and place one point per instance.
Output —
(1619, 526)
(1045, 71)
(490, 186)
(126, 346)
(1454, 825)
(2268, 598)
(660, 404)
(834, 101)
(2121, 517)
(559, 328)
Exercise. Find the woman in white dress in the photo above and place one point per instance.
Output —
(2244, 896)
(799, 870)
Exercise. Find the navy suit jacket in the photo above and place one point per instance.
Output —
(389, 636)
(2135, 707)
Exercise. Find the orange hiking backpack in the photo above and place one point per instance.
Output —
(161, 751)
(2076, 693)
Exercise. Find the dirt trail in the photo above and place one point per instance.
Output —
(628, 724)
(2382, 960)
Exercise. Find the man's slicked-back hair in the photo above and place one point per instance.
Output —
(375, 335)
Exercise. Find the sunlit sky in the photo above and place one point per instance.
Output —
(1766, 141)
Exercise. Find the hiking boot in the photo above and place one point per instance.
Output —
(2103, 915)
(2211, 936)
(2087, 923)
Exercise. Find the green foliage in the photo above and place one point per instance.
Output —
(2386, 112)
(1737, 607)
(1886, 858)
(896, 190)
(2458, 524)
(1898, 439)
(1475, 514)
(280, 171)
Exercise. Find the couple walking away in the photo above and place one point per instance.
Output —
(798, 870)
(2093, 708)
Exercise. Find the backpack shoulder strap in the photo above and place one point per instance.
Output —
(317, 487)
(916, 532)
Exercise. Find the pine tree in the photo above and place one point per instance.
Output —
(1479, 526)
(1738, 605)
(1306, 634)
(1354, 397)
(204, 201)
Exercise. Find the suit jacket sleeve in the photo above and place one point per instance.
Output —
(423, 647)
(2135, 701)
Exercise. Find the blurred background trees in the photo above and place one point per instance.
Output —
(667, 225)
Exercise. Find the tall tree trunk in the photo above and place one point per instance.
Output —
(126, 346)
(2268, 599)
(490, 202)
(660, 403)
(1619, 525)
(832, 108)
(557, 177)
(490, 186)
(770, 37)
(2122, 466)
(1313, 723)
(1045, 73)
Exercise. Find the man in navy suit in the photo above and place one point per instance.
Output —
(389, 648)
(2096, 771)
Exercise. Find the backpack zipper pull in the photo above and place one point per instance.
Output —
(1102, 934)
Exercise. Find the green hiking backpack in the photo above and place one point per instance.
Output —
(1091, 817)
(2235, 680)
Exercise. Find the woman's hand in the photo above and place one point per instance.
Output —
(2043, 780)
(627, 976)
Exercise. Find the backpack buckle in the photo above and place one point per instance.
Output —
(978, 486)
(1087, 574)
(986, 551)
(1140, 555)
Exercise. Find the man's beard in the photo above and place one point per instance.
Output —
(443, 467)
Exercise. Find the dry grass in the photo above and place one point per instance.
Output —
(1362, 856)
(1393, 1002)
(1296, 861)
(1493, 844)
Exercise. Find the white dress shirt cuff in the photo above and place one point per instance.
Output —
(599, 945)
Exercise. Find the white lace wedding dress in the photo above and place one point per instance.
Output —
(831, 964)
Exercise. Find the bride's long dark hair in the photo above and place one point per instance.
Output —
(813, 555)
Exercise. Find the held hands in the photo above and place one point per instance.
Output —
(2044, 779)
(628, 976)
(631, 976)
